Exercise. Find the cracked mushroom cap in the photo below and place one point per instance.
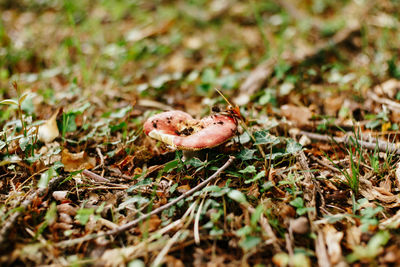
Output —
(179, 130)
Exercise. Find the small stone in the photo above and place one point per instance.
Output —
(60, 195)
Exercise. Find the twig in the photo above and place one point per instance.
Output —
(390, 103)
(382, 146)
(107, 188)
(324, 164)
(309, 182)
(98, 150)
(133, 223)
(95, 177)
(11, 221)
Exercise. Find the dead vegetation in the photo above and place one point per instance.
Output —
(311, 178)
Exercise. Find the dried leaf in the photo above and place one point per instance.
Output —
(76, 161)
(151, 225)
(333, 239)
(66, 208)
(183, 188)
(388, 88)
(299, 115)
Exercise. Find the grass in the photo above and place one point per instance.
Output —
(110, 65)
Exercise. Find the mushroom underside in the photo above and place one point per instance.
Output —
(180, 130)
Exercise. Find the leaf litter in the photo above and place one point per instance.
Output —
(315, 179)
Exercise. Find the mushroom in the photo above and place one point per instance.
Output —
(48, 131)
(179, 130)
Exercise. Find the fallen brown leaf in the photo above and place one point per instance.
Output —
(76, 161)
(299, 115)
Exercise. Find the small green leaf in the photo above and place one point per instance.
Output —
(144, 182)
(212, 188)
(378, 240)
(267, 185)
(370, 251)
(297, 202)
(246, 154)
(83, 215)
(68, 124)
(24, 142)
(245, 230)
(208, 76)
(195, 162)
(173, 188)
(255, 217)
(51, 214)
(9, 102)
(121, 113)
(57, 164)
(45, 178)
(139, 200)
(373, 124)
(244, 138)
(250, 242)
(237, 196)
(255, 178)
(264, 137)
(22, 97)
(216, 232)
(303, 210)
(117, 127)
(281, 68)
(169, 166)
(292, 146)
(249, 169)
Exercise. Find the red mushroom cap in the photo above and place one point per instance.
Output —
(178, 129)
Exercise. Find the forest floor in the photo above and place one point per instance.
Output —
(312, 176)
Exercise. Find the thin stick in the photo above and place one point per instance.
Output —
(11, 221)
(133, 223)
(390, 103)
(382, 146)
(95, 177)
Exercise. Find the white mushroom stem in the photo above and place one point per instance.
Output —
(169, 140)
